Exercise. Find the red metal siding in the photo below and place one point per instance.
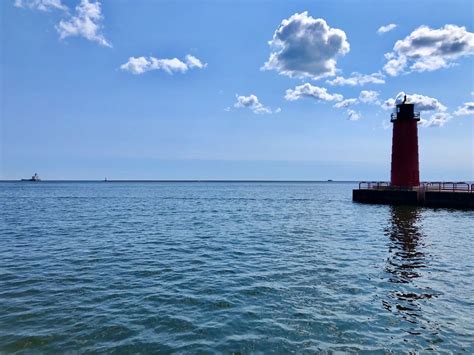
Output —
(405, 167)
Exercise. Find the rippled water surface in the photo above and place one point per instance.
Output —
(228, 267)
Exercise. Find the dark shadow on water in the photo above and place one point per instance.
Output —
(407, 258)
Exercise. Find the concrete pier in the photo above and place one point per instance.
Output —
(449, 199)
(415, 197)
(392, 197)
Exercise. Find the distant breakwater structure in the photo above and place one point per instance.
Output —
(404, 187)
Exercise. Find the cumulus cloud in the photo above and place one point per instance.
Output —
(437, 119)
(386, 28)
(193, 62)
(346, 103)
(315, 92)
(42, 5)
(369, 97)
(427, 49)
(140, 65)
(306, 47)
(365, 96)
(86, 22)
(466, 109)
(353, 115)
(428, 105)
(395, 65)
(388, 104)
(421, 102)
(253, 104)
(358, 79)
(321, 94)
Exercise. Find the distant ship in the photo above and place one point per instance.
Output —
(33, 178)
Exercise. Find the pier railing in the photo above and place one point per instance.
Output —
(449, 186)
(426, 186)
(377, 185)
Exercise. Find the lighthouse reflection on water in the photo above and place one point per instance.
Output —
(408, 256)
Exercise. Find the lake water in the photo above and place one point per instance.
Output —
(229, 267)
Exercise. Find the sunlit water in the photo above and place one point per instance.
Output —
(229, 267)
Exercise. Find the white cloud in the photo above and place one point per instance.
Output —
(140, 65)
(137, 65)
(427, 49)
(306, 47)
(438, 119)
(421, 102)
(315, 92)
(42, 5)
(388, 104)
(346, 103)
(253, 104)
(466, 109)
(365, 96)
(439, 115)
(193, 62)
(353, 115)
(369, 97)
(395, 65)
(86, 22)
(387, 28)
(358, 79)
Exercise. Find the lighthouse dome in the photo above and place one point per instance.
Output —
(400, 98)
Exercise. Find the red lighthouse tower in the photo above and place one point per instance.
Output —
(405, 170)
(404, 187)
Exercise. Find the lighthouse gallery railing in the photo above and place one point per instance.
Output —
(393, 116)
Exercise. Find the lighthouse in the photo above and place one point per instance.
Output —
(405, 171)
(404, 187)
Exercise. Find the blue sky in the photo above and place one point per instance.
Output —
(251, 94)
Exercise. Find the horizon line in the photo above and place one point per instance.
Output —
(174, 180)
